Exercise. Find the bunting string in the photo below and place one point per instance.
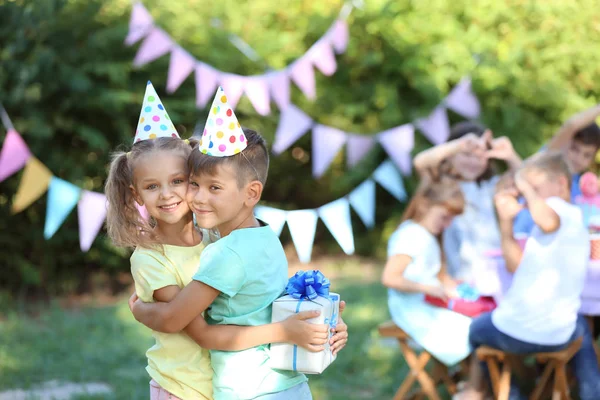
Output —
(336, 214)
(259, 89)
(398, 142)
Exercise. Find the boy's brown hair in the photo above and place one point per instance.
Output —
(590, 135)
(551, 163)
(251, 164)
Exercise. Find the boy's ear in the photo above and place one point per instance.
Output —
(136, 196)
(253, 193)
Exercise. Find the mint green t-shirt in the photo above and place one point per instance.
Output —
(250, 270)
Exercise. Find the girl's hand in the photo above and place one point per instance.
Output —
(502, 149)
(309, 336)
(439, 292)
(340, 338)
(132, 300)
(472, 144)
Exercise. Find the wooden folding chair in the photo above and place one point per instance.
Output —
(500, 377)
(417, 365)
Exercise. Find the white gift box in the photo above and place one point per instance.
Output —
(294, 358)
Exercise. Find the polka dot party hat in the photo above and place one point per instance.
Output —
(222, 136)
(154, 121)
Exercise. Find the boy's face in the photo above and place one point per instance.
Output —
(216, 199)
(580, 156)
(161, 182)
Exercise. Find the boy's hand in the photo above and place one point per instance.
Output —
(507, 205)
(524, 186)
(340, 338)
(309, 336)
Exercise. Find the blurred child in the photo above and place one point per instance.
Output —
(579, 140)
(154, 174)
(468, 156)
(241, 274)
(415, 268)
(539, 311)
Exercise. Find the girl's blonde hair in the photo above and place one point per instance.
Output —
(444, 192)
(125, 226)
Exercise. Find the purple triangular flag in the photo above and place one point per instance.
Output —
(140, 24)
(358, 147)
(14, 154)
(321, 55)
(463, 101)
(180, 66)
(435, 127)
(257, 90)
(233, 85)
(304, 77)
(155, 45)
(293, 124)
(91, 212)
(398, 143)
(338, 35)
(206, 83)
(280, 88)
(326, 143)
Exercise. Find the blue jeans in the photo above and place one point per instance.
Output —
(584, 363)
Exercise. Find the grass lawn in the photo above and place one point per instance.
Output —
(105, 344)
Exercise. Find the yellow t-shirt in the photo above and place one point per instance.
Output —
(175, 362)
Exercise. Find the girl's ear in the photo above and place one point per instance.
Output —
(136, 196)
(253, 193)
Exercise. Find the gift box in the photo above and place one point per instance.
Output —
(306, 291)
(468, 302)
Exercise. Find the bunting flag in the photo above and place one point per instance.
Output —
(302, 224)
(91, 213)
(34, 183)
(14, 155)
(62, 198)
(398, 142)
(260, 89)
(62, 195)
(336, 214)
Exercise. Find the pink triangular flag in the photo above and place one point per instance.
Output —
(155, 45)
(234, 87)
(398, 143)
(338, 35)
(180, 66)
(257, 90)
(436, 126)
(463, 101)
(14, 154)
(321, 55)
(304, 77)
(91, 211)
(206, 83)
(280, 88)
(139, 24)
(293, 124)
(358, 147)
(326, 143)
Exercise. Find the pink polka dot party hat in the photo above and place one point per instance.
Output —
(223, 135)
(154, 121)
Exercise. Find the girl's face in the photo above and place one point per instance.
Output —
(469, 166)
(160, 183)
(436, 219)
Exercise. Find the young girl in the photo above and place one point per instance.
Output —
(415, 268)
(154, 174)
(468, 156)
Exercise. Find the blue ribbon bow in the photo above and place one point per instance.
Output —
(308, 285)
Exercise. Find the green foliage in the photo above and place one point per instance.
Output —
(67, 81)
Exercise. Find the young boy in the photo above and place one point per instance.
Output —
(539, 311)
(242, 273)
(579, 140)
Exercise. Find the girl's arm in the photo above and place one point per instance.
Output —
(234, 338)
(393, 278)
(179, 312)
(574, 124)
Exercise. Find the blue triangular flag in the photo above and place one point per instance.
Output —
(272, 216)
(302, 224)
(388, 176)
(362, 199)
(62, 198)
(336, 216)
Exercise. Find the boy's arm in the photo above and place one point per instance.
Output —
(507, 208)
(572, 126)
(542, 214)
(172, 317)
